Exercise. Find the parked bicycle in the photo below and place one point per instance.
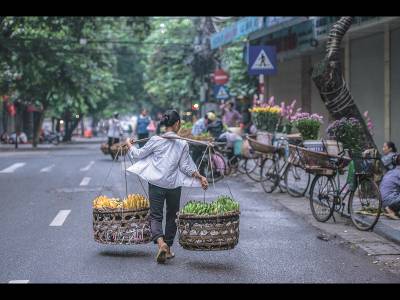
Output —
(328, 194)
(278, 169)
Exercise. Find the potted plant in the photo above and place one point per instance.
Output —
(308, 125)
(266, 117)
(348, 132)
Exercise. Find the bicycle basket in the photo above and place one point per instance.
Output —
(363, 166)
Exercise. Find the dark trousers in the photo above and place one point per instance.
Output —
(157, 197)
(142, 136)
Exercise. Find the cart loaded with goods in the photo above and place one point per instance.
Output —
(121, 221)
(204, 226)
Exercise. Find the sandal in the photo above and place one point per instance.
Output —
(170, 255)
(162, 254)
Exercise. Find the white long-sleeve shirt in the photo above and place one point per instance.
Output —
(164, 162)
(114, 128)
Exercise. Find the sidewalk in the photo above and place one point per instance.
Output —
(47, 147)
(386, 228)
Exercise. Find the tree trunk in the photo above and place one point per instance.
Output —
(70, 126)
(58, 124)
(95, 121)
(327, 76)
(82, 127)
(37, 127)
(5, 117)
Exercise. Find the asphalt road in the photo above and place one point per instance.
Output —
(275, 246)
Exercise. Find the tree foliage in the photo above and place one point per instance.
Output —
(168, 79)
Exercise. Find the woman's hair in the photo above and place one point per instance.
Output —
(169, 118)
(391, 145)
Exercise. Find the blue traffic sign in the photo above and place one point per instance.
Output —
(262, 60)
(221, 92)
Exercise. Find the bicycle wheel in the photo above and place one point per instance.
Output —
(322, 194)
(297, 179)
(217, 172)
(365, 204)
(269, 176)
(241, 166)
(282, 183)
(253, 167)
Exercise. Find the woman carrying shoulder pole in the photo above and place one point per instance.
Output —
(166, 165)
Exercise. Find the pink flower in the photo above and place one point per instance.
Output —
(293, 104)
(271, 101)
(283, 110)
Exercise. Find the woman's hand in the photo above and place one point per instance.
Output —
(129, 142)
(204, 182)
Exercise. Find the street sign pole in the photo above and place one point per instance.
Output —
(261, 87)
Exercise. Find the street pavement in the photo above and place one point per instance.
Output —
(46, 231)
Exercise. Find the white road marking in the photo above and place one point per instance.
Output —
(85, 181)
(60, 218)
(47, 169)
(13, 167)
(18, 281)
(88, 166)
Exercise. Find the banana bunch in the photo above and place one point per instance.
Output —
(105, 202)
(221, 205)
(135, 202)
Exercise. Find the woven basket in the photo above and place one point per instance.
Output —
(208, 233)
(105, 149)
(120, 148)
(116, 226)
(263, 148)
(185, 132)
(319, 160)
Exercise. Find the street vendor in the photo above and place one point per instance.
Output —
(390, 190)
(165, 163)
(389, 150)
(200, 126)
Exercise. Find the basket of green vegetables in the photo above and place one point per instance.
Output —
(209, 226)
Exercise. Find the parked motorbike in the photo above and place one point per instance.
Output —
(52, 138)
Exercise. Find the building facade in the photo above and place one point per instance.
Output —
(370, 60)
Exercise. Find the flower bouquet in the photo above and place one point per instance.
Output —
(266, 115)
(288, 113)
(307, 124)
(348, 132)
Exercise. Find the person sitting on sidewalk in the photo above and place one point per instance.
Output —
(389, 150)
(390, 190)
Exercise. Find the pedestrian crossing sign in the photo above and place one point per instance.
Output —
(221, 92)
(262, 60)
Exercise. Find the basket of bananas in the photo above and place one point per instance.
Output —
(124, 221)
(209, 226)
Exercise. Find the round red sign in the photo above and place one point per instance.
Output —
(220, 77)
